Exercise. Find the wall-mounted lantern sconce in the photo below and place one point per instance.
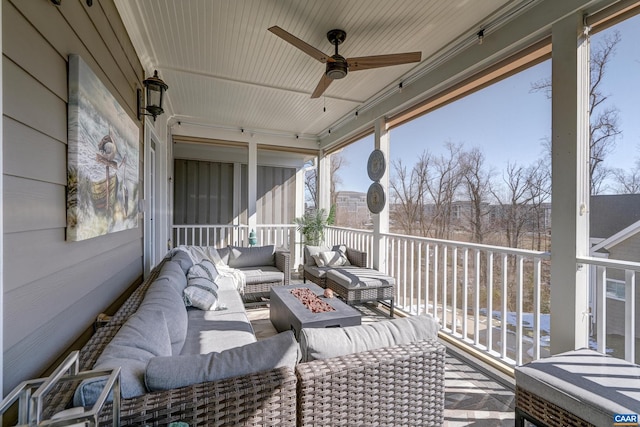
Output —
(155, 89)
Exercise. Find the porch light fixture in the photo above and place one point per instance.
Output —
(155, 89)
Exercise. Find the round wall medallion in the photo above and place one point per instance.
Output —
(376, 165)
(376, 198)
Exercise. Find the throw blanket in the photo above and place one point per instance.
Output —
(199, 253)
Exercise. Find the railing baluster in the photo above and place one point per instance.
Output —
(419, 280)
(427, 273)
(445, 277)
(519, 346)
(435, 281)
(476, 301)
(601, 308)
(490, 301)
(404, 273)
(465, 294)
(411, 274)
(630, 316)
(536, 307)
(454, 289)
(504, 321)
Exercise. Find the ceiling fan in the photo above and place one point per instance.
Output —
(338, 66)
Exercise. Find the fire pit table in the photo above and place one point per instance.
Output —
(287, 312)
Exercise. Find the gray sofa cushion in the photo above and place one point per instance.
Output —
(350, 277)
(143, 336)
(161, 296)
(165, 373)
(216, 331)
(173, 276)
(255, 256)
(333, 342)
(183, 259)
(262, 275)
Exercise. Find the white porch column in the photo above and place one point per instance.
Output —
(237, 200)
(381, 220)
(296, 249)
(570, 163)
(324, 182)
(252, 193)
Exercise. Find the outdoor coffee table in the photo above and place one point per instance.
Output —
(288, 313)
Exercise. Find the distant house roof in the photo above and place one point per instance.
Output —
(610, 214)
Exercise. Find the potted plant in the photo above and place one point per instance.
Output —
(312, 226)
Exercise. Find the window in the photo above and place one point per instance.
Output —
(615, 289)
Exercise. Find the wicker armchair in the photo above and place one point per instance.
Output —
(392, 386)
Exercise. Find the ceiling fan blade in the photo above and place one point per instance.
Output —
(377, 61)
(302, 45)
(323, 84)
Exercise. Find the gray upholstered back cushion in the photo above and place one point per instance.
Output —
(173, 275)
(240, 257)
(141, 338)
(333, 342)
(183, 259)
(162, 296)
(309, 251)
(165, 373)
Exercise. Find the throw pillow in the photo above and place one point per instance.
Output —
(310, 251)
(334, 258)
(201, 293)
(204, 268)
(318, 259)
(325, 343)
(165, 373)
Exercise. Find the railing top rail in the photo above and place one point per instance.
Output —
(501, 249)
(355, 230)
(609, 263)
(210, 225)
(276, 225)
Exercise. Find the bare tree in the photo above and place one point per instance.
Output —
(627, 182)
(603, 120)
(539, 189)
(514, 205)
(443, 183)
(477, 182)
(311, 181)
(408, 191)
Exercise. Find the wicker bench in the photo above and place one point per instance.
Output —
(577, 388)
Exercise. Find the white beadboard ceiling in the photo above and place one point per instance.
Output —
(225, 69)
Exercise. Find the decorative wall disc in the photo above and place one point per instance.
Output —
(376, 198)
(376, 165)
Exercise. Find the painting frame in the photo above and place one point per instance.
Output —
(103, 150)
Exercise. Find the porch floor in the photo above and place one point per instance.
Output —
(472, 398)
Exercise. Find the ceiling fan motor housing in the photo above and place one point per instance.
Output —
(338, 69)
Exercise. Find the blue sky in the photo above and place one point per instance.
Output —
(508, 122)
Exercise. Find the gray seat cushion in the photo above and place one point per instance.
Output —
(143, 336)
(332, 342)
(216, 331)
(240, 257)
(165, 373)
(262, 275)
(585, 383)
(359, 277)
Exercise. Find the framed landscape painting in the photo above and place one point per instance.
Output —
(102, 166)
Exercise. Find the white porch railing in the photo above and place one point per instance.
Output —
(463, 285)
(613, 316)
(460, 284)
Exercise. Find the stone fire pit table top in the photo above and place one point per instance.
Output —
(288, 313)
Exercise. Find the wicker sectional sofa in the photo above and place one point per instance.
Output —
(395, 379)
